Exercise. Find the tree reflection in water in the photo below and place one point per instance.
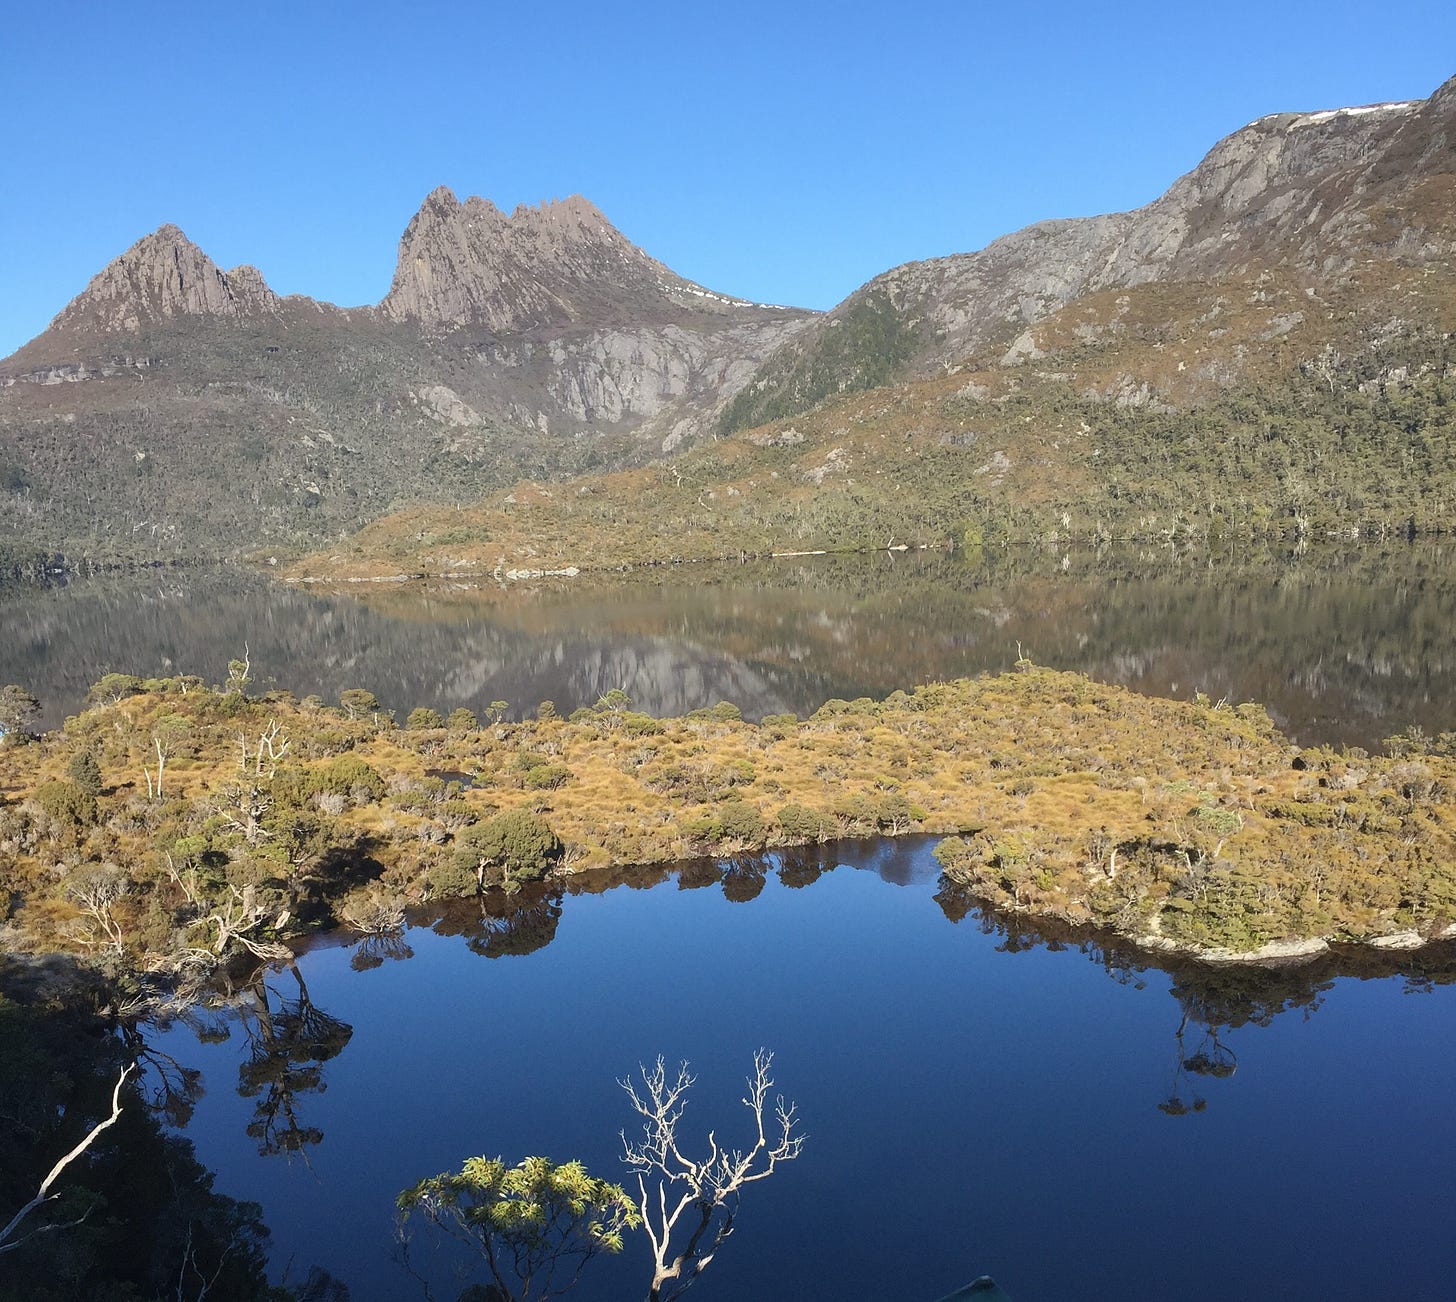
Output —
(1213, 999)
(289, 1040)
(744, 877)
(495, 924)
(378, 948)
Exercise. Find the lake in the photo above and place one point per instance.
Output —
(977, 1100)
(1343, 647)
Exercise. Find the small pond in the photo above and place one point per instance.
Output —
(978, 1097)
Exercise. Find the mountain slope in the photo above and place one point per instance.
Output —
(1316, 195)
(175, 409)
(1268, 349)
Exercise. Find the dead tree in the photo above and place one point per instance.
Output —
(43, 1195)
(689, 1208)
(269, 744)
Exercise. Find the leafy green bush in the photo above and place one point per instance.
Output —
(546, 777)
(350, 776)
(740, 821)
(514, 847)
(114, 687)
(85, 772)
(67, 804)
(358, 702)
(800, 824)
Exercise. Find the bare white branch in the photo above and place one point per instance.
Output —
(8, 1241)
(696, 1200)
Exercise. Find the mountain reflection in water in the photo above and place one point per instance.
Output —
(986, 1075)
(1344, 647)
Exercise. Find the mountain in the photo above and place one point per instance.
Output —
(177, 409)
(1269, 349)
(1270, 341)
(162, 276)
(562, 264)
(1315, 197)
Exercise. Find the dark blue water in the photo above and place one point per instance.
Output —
(975, 1103)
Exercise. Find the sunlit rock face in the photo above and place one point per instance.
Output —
(165, 275)
(1314, 194)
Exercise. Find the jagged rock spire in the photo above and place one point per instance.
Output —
(165, 275)
(556, 264)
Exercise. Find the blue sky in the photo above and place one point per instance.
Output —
(781, 151)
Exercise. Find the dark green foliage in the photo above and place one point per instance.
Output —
(67, 803)
(462, 720)
(863, 346)
(145, 1199)
(741, 821)
(358, 702)
(723, 712)
(636, 724)
(508, 849)
(448, 879)
(85, 772)
(800, 824)
(18, 710)
(114, 687)
(546, 777)
(350, 776)
(424, 717)
(733, 820)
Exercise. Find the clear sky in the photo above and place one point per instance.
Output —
(785, 152)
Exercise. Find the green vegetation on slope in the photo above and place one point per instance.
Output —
(1363, 446)
(863, 347)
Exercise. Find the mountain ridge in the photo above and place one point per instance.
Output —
(459, 263)
(544, 345)
(1288, 187)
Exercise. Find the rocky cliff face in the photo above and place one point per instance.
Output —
(535, 344)
(569, 326)
(1310, 193)
(161, 276)
(560, 264)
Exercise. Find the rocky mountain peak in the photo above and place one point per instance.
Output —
(558, 263)
(165, 275)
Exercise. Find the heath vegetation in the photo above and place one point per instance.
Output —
(172, 824)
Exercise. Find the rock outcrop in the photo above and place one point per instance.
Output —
(1308, 192)
(161, 276)
(559, 264)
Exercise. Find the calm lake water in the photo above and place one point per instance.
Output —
(1342, 647)
(976, 1101)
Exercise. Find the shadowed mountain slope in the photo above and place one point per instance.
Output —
(176, 409)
